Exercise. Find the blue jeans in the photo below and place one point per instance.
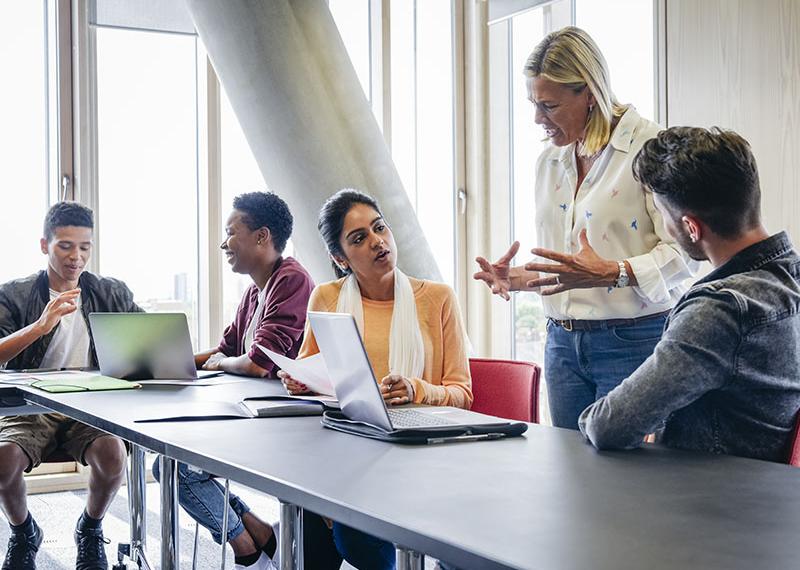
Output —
(362, 550)
(583, 366)
(203, 497)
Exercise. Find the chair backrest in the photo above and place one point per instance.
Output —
(794, 444)
(505, 388)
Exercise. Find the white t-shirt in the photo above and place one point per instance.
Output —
(69, 347)
(258, 314)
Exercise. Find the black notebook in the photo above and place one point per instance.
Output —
(256, 407)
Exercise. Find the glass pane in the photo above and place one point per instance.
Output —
(352, 19)
(527, 144)
(23, 145)
(147, 147)
(240, 174)
(630, 55)
(435, 145)
(403, 94)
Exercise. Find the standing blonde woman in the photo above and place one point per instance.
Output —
(610, 273)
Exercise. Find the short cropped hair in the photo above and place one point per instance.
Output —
(266, 210)
(570, 56)
(710, 173)
(63, 214)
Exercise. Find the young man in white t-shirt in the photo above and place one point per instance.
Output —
(44, 324)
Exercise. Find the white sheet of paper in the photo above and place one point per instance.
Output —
(310, 371)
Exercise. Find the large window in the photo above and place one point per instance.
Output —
(148, 165)
(24, 144)
(352, 17)
(421, 130)
(240, 174)
(527, 30)
(422, 134)
(632, 69)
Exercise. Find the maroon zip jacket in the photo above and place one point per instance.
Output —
(281, 326)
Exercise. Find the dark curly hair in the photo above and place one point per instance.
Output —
(710, 173)
(265, 209)
(331, 220)
(63, 214)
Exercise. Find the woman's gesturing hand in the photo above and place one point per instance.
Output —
(397, 390)
(583, 270)
(497, 275)
(292, 386)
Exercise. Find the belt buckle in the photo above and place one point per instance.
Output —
(567, 325)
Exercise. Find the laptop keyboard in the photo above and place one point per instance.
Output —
(412, 418)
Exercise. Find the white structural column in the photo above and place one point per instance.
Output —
(289, 79)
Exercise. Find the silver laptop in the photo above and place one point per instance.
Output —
(357, 388)
(144, 346)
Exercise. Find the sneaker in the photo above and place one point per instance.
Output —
(21, 553)
(91, 549)
(264, 562)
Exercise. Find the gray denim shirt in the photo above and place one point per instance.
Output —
(725, 377)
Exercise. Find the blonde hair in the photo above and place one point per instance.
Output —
(570, 57)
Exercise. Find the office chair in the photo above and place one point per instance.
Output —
(794, 444)
(505, 388)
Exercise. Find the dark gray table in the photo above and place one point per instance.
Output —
(547, 500)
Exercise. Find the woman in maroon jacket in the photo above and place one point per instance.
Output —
(272, 313)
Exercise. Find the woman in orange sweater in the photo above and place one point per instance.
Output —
(412, 331)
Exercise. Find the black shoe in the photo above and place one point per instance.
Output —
(91, 549)
(21, 553)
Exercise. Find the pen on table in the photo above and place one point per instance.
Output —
(469, 437)
(42, 370)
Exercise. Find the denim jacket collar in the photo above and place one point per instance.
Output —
(752, 257)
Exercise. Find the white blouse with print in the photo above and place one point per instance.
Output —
(621, 223)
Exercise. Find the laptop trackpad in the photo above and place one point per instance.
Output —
(460, 417)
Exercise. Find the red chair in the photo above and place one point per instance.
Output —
(794, 444)
(505, 388)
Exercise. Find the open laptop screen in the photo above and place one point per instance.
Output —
(143, 346)
(349, 368)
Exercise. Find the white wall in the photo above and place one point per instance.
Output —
(736, 64)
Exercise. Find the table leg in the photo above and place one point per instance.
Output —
(137, 505)
(409, 560)
(169, 514)
(225, 521)
(290, 547)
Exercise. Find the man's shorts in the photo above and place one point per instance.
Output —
(39, 435)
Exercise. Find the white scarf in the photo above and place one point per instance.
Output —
(406, 350)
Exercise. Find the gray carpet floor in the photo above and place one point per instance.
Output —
(57, 514)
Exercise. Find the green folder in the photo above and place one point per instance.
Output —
(76, 383)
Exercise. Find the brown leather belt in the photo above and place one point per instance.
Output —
(570, 325)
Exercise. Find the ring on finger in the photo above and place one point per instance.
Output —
(558, 280)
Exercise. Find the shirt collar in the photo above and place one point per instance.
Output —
(752, 257)
(622, 137)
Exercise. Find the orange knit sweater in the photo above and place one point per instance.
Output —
(445, 380)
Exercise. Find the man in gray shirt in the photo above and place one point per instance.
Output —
(725, 377)
(44, 324)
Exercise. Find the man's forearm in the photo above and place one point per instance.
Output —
(18, 341)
